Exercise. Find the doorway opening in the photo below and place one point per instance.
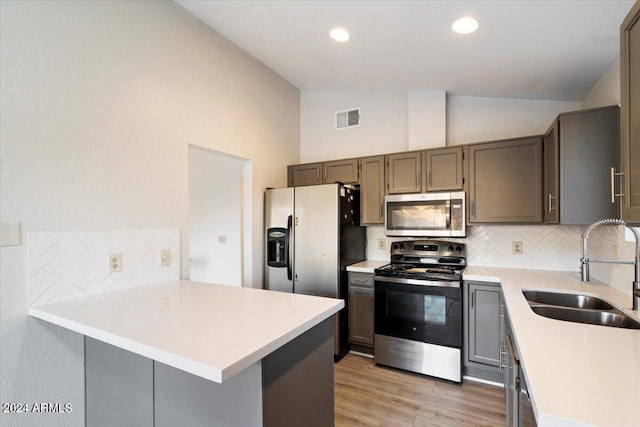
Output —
(219, 217)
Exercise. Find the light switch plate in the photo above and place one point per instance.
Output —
(10, 234)
(222, 239)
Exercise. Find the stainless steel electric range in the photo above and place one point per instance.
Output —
(418, 308)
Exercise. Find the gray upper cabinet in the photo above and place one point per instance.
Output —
(404, 171)
(630, 115)
(344, 171)
(443, 169)
(551, 176)
(307, 174)
(372, 190)
(505, 181)
(581, 148)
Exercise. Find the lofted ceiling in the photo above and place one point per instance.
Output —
(553, 50)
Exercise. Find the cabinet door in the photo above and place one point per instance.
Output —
(361, 316)
(372, 190)
(361, 308)
(485, 324)
(344, 171)
(630, 115)
(588, 142)
(551, 174)
(403, 173)
(309, 174)
(505, 181)
(443, 169)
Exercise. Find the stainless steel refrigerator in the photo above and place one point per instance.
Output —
(312, 234)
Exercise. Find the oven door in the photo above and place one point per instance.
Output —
(419, 310)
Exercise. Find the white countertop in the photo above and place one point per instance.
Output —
(366, 266)
(212, 331)
(577, 374)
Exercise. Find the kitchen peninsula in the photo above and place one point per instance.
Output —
(188, 353)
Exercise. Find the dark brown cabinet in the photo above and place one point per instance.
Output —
(630, 115)
(344, 171)
(443, 169)
(361, 308)
(372, 190)
(505, 181)
(404, 172)
(580, 150)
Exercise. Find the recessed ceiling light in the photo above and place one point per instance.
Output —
(339, 34)
(465, 25)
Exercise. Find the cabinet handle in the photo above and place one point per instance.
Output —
(503, 353)
(473, 208)
(550, 198)
(613, 184)
(472, 298)
(418, 179)
(381, 212)
(318, 174)
(325, 173)
(429, 177)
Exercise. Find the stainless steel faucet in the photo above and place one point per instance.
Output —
(584, 266)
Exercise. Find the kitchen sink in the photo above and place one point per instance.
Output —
(578, 308)
(567, 300)
(592, 317)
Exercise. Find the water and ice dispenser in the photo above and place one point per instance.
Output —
(277, 247)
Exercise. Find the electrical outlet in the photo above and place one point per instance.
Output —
(165, 257)
(381, 243)
(115, 263)
(517, 248)
(222, 240)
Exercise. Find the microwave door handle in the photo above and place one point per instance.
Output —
(447, 215)
(287, 247)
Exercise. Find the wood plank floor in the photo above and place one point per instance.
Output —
(370, 395)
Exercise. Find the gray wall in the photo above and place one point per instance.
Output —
(99, 102)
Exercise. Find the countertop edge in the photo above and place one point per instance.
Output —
(212, 373)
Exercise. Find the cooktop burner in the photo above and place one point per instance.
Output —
(425, 260)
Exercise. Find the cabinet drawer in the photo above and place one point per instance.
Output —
(360, 280)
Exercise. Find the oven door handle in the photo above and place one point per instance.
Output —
(404, 281)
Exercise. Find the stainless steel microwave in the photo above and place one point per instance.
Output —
(425, 215)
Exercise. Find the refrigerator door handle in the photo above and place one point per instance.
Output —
(287, 249)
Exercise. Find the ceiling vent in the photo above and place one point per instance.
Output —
(348, 119)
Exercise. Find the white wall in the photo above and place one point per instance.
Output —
(216, 193)
(99, 102)
(607, 90)
(477, 119)
(383, 125)
(401, 121)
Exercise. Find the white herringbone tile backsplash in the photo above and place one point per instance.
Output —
(546, 247)
(70, 264)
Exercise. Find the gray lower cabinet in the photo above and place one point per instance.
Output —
(581, 148)
(361, 319)
(372, 190)
(505, 181)
(483, 330)
(292, 386)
